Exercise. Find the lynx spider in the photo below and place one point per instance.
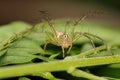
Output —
(63, 39)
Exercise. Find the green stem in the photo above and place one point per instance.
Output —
(84, 54)
(80, 73)
(61, 65)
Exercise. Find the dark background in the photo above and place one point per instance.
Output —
(28, 10)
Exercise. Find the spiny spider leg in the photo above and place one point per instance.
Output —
(88, 36)
(95, 37)
(48, 19)
(50, 36)
(63, 51)
(91, 41)
(76, 23)
(69, 49)
(66, 26)
(81, 19)
(80, 34)
(47, 42)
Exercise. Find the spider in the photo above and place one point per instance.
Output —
(63, 39)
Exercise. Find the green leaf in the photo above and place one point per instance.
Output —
(21, 51)
(25, 45)
(2, 53)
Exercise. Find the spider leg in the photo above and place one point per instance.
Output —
(95, 36)
(47, 42)
(80, 20)
(49, 35)
(91, 41)
(51, 40)
(66, 26)
(76, 23)
(76, 38)
(48, 19)
(69, 49)
(87, 36)
(63, 51)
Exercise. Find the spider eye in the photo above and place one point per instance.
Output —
(65, 36)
